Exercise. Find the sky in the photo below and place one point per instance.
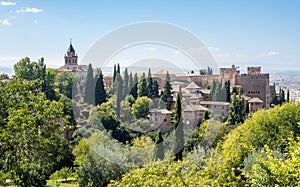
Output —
(243, 32)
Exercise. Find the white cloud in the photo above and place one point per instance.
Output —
(7, 3)
(30, 10)
(213, 49)
(35, 21)
(271, 53)
(5, 22)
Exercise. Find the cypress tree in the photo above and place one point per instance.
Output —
(205, 116)
(114, 73)
(159, 147)
(100, 94)
(167, 94)
(119, 69)
(142, 87)
(155, 89)
(178, 128)
(150, 85)
(288, 95)
(227, 91)
(89, 86)
(119, 96)
(134, 88)
(125, 83)
(130, 83)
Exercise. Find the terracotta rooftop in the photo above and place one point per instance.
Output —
(255, 100)
(193, 85)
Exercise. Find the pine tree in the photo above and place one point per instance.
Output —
(159, 147)
(288, 95)
(167, 94)
(125, 83)
(100, 94)
(89, 86)
(142, 87)
(178, 128)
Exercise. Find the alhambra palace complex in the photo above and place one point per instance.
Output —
(258, 93)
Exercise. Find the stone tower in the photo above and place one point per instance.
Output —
(71, 58)
(256, 85)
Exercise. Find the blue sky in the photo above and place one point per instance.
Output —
(252, 32)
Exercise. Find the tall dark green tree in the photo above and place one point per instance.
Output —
(114, 73)
(205, 116)
(118, 69)
(167, 92)
(100, 93)
(126, 83)
(178, 144)
(150, 85)
(227, 91)
(159, 153)
(130, 83)
(288, 95)
(89, 86)
(142, 86)
(134, 89)
(155, 89)
(119, 93)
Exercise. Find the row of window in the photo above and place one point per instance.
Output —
(253, 92)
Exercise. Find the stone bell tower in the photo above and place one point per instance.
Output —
(71, 57)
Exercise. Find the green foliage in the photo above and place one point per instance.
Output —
(66, 83)
(89, 87)
(140, 108)
(236, 110)
(167, 173)
(3, 76)
(273, 170)
(142, 87)
(178, 128)
(119, 93)
(220, 92)
(68, 110)
(98, 159)
(100, 93)
(65, 173)
(134, 88)
(167, 94)
(159, 147)
(32, 146)
(126, 83)
(266, 127)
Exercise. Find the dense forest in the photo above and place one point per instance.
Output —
(114, 144)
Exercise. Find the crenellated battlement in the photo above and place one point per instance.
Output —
(267, 75)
